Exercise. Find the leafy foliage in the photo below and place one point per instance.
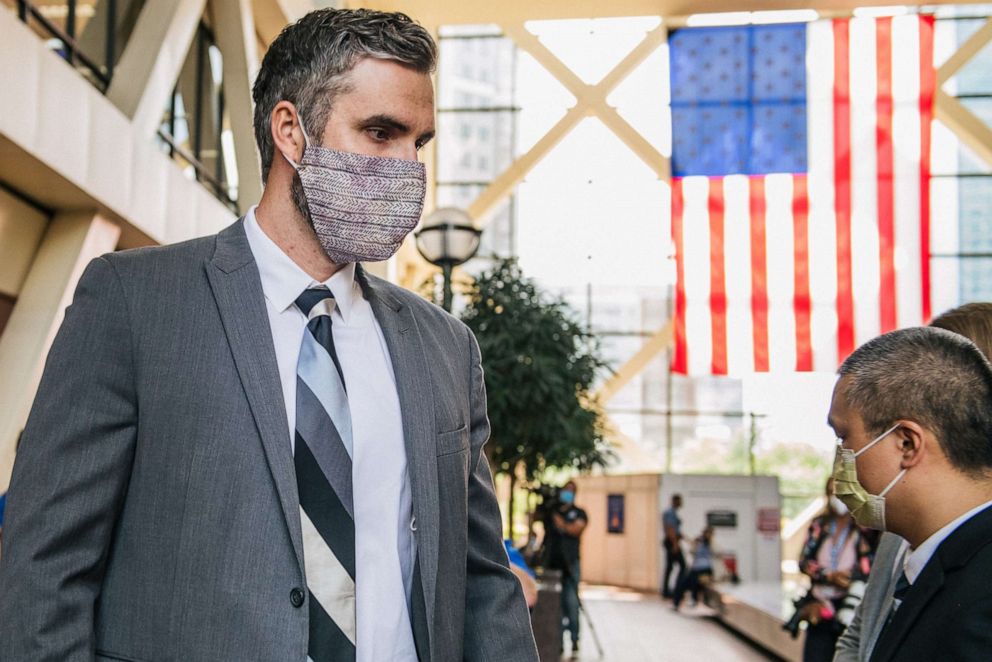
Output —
(539, 365)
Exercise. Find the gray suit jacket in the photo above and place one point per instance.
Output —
(153, 510)
(856, 644)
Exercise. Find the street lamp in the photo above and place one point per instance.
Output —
(446, 239)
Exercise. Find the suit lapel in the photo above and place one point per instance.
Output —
(237, 289)
(416, 396)
(923, 590)
(953, 553)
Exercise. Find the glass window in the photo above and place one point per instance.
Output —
(473, 77)
(487, 157)
(195, 128)
(961, 217)
(976, 279)
(477, 125)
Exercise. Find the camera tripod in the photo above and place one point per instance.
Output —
(583, 612)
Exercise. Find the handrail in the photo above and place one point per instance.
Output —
(24, 8)
(202, 172)
(71, 52)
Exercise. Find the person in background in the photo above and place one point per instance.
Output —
(913, 412)
(973, 321)
(671, 525)
(569, 523)
(836, 551)
(700, 570)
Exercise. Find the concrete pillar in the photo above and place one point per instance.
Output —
(21, 230)
(151, 61)
(71, 241)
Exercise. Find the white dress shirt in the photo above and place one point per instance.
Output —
(384, 543)
(916, 559)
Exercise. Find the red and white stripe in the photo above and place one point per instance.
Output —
(791, 272)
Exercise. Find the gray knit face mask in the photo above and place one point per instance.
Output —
(361, 207)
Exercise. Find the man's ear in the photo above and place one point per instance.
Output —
(915, 441)
(287, 134)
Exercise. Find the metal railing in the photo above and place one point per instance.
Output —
(193, 151)
(71, 51)
(100, 76)
(201, 171)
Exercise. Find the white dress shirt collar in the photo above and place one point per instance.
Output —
(916, 559)
(283, 280)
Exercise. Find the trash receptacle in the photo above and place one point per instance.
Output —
(546, 616)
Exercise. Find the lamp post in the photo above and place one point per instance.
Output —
(446, 239)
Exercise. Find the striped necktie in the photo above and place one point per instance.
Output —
(323, 475)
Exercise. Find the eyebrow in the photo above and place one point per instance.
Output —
(395, 124)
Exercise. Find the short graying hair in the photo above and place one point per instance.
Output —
(938, 379)
(309, 61)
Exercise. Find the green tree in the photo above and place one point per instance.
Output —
(539, 366)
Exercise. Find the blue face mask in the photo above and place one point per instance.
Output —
(567, 496)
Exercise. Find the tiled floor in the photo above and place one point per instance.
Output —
(637, 627)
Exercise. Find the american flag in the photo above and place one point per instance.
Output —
(800, 190)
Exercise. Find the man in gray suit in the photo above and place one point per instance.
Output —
(244, 447)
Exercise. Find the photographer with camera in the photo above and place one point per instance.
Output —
(837, 558)
(564, 530)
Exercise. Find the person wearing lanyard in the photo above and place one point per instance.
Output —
(835, 551)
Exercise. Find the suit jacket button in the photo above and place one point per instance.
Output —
(297, 597)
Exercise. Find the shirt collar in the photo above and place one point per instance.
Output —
(916, 559)
(342, 285)
(283, 280)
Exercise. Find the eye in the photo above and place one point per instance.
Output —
(378, 134)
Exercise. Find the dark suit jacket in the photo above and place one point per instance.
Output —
(947, 613)
(153, 510)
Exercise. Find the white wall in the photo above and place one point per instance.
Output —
(758, 554)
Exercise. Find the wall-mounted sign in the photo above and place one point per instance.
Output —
(614, 513)
(769, 520)
(722, 518)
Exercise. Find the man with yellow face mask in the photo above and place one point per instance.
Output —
(974, 322)
(913, 414)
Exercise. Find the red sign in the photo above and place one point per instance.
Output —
(769, 520)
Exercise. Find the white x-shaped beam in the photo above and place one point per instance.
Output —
(590, 100)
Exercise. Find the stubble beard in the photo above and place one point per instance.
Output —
(300, 201)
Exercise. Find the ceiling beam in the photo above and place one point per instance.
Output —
(590, 101)
(969, 129)
(651, 348)
(153, 57)
(503, 186)
(271, 16)
(445, 12)
(963, 55)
